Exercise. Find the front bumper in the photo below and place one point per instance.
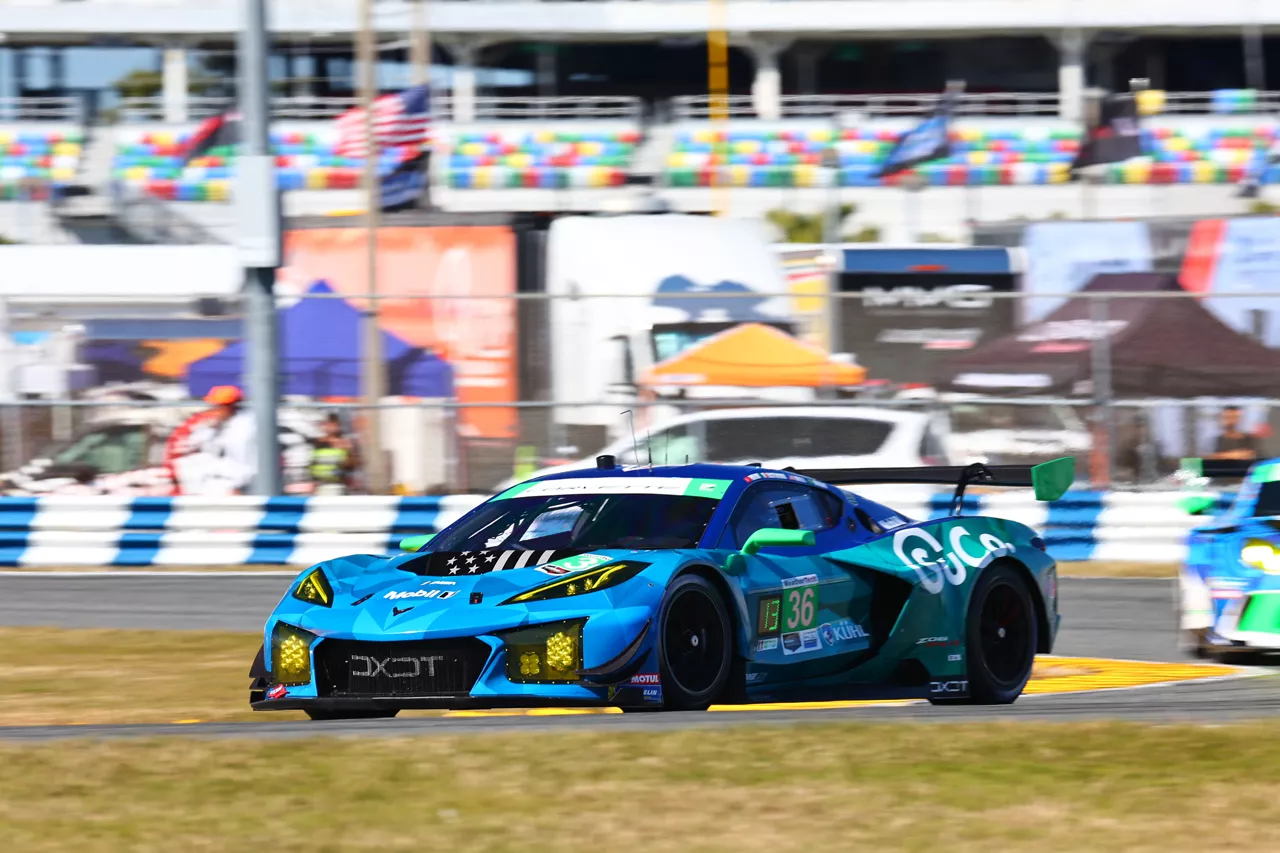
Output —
(447, 673)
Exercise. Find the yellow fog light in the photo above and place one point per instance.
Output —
(529, 664)
(560, 652)
(1261, 555)
(291, 655)
(544, 653)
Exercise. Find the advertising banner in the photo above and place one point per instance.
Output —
(1237, 256)
(1062, 257)
(476, 336)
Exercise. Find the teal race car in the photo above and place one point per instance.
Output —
(676, 587)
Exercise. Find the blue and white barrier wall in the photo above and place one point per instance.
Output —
(293, 531)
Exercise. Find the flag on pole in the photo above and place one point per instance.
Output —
(924, 143)
(1116, 137)
(401, 123)
(218, 131)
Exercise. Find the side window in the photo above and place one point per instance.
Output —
(785, 505)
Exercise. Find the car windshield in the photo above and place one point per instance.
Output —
(587, 522)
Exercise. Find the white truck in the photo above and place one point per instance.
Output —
(620, 288)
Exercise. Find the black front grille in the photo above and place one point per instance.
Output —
(412, 668)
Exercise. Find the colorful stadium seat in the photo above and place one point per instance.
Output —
(33, 158)
(540, 158)
(1207, 149)
(304, 160)
(547, 159)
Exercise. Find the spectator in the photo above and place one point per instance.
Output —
(1232, 443)
(228, 438)
(334, 460)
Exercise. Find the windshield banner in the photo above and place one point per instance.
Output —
(678, 486)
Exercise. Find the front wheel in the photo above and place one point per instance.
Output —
(695, 645)
(1001, 636)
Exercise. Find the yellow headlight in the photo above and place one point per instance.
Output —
(1261, 555)
(315, 589)
(545, 653)
(291, 655)
(580, 583)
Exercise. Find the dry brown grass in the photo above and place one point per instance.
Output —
(51, 676)
(1114, 569)
(965, 789)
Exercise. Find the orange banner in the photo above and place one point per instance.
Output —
(476, 336)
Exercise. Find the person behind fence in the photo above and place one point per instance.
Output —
(334, 459)
(1232, 442)
(228, 439)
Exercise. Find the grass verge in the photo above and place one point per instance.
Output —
(1114, 569)
(51, 676)
(1055, 788)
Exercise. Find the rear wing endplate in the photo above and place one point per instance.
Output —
(1218, 469)
(1049, 479)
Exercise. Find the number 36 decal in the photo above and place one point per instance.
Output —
(799, 608)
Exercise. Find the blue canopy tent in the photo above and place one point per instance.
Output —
(320, 353)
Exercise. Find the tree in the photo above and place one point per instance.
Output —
(811, 227)
(141, 83)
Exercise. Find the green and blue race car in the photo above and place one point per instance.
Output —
(676, 587)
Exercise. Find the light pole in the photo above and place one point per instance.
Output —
(374, 367)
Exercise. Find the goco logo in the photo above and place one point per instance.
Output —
(934, 565)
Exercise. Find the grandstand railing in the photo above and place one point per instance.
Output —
(154, 221)
(68, 109)
(486, 108)
(1022, 104)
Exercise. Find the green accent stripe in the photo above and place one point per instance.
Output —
(1262, 614)
(713, 489)
(1266, 473)
(515, 491)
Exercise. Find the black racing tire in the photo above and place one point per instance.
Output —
(1001, 636)
(695, 644)
(321, 715)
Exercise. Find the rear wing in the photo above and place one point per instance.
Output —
(1049, 479)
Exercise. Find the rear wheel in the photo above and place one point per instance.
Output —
(695, 646)
(352, 715)
(1001, 636)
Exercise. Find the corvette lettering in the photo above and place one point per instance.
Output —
(406, 667)
(937, 567)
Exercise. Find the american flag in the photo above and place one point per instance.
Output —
(401, 122)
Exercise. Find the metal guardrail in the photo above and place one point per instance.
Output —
(1020, 104)
(68, 109)
(486, 108)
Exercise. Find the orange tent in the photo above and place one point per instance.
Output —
(753, 355)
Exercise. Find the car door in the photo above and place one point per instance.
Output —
(807, 609)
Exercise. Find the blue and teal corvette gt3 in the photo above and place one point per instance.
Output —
(1229, 587)
(675, 587)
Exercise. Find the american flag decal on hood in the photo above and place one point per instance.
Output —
(454, 563)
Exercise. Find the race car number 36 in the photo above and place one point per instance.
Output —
(799, 608)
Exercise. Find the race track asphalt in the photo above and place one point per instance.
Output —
(1130, 619)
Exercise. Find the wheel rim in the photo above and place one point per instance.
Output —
(693, 642)
(1005, 633)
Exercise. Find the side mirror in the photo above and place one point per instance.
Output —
(776, 537)
(416, 543)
